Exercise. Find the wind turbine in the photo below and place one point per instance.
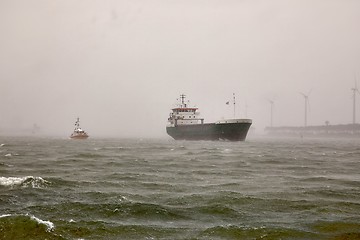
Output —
(234, 103)
(306, 97)
(271, 112)
(355, 91)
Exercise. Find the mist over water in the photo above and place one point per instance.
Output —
(120, 65)
(165, 189)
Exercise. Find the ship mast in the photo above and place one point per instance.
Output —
(77, 123)
(182, 97)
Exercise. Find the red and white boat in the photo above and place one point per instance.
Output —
(78, 132)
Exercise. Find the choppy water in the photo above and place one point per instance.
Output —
(165, 189)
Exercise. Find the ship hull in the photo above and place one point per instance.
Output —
(82, 136)
(232, 131)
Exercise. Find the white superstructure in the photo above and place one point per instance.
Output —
(184, 115)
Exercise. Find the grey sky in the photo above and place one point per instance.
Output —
(120, 65)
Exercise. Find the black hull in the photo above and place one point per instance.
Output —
(236, 131)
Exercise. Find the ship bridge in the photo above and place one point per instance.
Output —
(184, 115)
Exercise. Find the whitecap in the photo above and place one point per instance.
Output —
(50, 226)
(123, 198)
(226, 150)
(10, 181)
(8, 155)
(28, 181)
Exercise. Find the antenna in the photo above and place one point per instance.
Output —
(77, 123)
(355, 90)
(182, 97)
(306, 97)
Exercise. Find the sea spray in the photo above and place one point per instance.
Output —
(28, 181)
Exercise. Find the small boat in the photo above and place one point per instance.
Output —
(78, 132)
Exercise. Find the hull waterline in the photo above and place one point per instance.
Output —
(79, 137)
(236, 131)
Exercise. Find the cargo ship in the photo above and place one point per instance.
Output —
(78, 132)
(185, 123)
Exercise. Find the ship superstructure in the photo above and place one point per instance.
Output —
(184, 115)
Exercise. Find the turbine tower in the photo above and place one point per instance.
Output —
(271, 112)
(306, 98)
(234, 103)
(355, 91)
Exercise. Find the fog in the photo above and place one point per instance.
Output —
(121, 65)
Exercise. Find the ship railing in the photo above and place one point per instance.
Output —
(234, 121)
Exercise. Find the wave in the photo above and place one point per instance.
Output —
(31, 227)
(25, 227)
(244, 232)
(28, 181)
(49, 225)
(338, 229)
(88, 156)
(123, 209)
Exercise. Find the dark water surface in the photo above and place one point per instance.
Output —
(165, 189)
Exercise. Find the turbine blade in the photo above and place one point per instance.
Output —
(355, 80)
(309, 92)
(354, 89)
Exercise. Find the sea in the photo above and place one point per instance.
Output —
(262, 188)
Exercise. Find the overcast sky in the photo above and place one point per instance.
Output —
(120, 65)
